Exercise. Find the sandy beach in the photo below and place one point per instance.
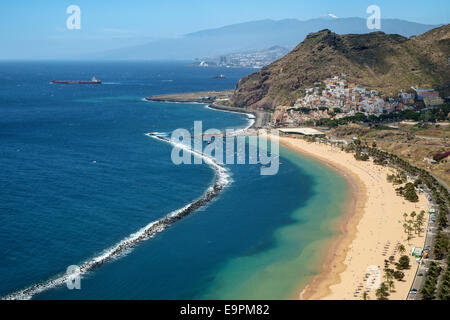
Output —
(371, 229)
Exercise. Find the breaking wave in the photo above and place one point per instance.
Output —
(222, 179)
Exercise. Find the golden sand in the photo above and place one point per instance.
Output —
(371, 230)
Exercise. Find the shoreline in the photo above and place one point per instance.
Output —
(209, 98)
(351, 251)
(366, 180)
(333, 262)
(254, 121)
(190, 97)
(221, 180)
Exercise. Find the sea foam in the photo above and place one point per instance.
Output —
(222, 179)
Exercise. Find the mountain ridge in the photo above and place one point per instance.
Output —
(253, 35)
(386, 62)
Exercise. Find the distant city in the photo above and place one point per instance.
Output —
(249, 59)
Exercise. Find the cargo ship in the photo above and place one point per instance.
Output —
(93, 81)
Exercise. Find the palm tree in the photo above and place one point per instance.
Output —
(388, 275)
(419, 226)
(405, 226)
(419, 219)
(405, 215)
(365, 296)
(422, 214)
(410, 237)
(410, 230)
(413, 214)
(382, 292)
(401, 248)
(391, 285)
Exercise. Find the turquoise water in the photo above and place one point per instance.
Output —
(298, 249)
(79, 175)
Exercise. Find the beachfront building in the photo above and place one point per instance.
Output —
(434, 101)
(309, 132)
(430, 97)
(417, 252)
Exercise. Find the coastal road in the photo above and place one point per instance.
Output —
(423, 267)
(419, 280)
(422, 270)
(430, 138)
(442, 183)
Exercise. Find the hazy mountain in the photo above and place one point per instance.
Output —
(255, 35)
(376, 60)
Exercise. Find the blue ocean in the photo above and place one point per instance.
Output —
(78, 174)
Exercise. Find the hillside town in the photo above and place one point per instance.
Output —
(336, 98)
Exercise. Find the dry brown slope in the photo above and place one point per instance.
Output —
(375, 60)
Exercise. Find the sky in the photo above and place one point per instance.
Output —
(119, 23)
